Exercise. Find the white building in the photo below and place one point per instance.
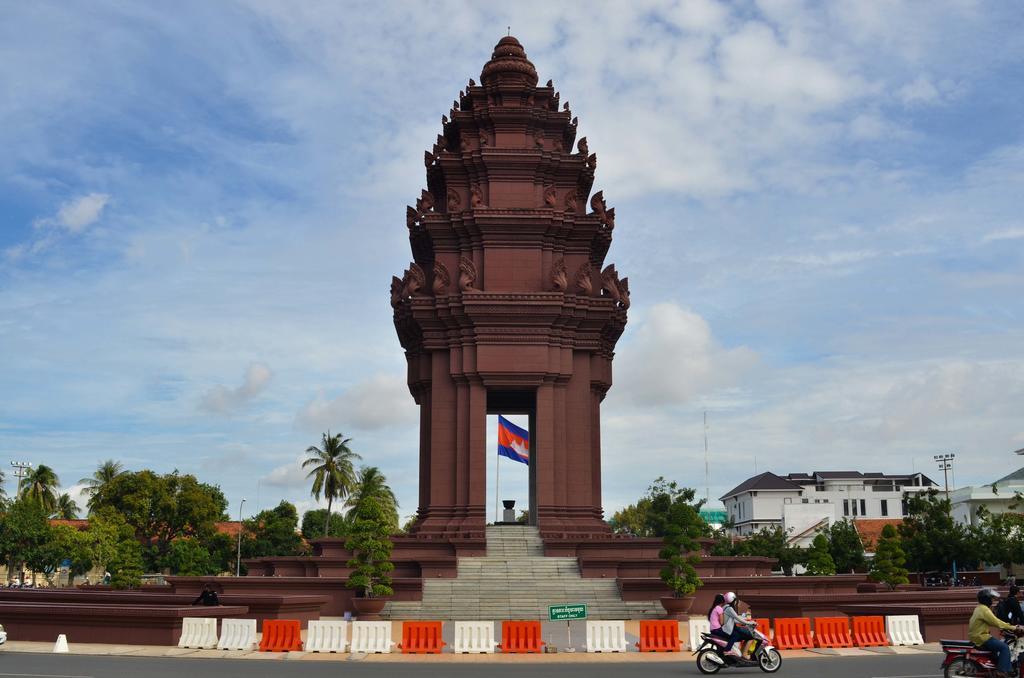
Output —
(804, 503)
(997, 497)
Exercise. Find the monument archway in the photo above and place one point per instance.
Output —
(506, 402)
(508, 293)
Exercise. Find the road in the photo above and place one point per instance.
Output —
(23, 665)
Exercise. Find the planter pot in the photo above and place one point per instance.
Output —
(368, 609)
(676, 608)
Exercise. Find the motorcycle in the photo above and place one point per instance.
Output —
(962, 658)
(711, 657)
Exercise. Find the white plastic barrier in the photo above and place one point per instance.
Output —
(237, 634)
(697, 627)
(327, 636)
(904, 629)
(474, 637)
(371, 637)
(198, 632)
(606, 636)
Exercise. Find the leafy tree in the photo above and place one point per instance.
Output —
(819, 560)
(524, 517)
(272, 533)
(100, 478)
(24, 534)
(771, 542)
(370, 544)
(73, 545)
(40, 487)
(931, 539)
(887, 566)
(409, 523)
(371, 484)
(675, 517)
(331, 468)
(3, 494)
(67, 508)
(313, 524)
(162, 508)
(126, 567)
(632, 520)
(187, 557)
(846, 547)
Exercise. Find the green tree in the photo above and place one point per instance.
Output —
(100, 478)
(313, 524)
(371, 484)
(162, 508)
(819, 559)
(3, 494)
(887, 566)
(370, 544)
(272, 532)
(332, 470)
(74, 546)
(189, 558)
(675, 517)
(24, 535)
(931, 539)
(632, 520)
(66, 509)
(771, 542)
(127, 566)
(40, 487)
(846, 547)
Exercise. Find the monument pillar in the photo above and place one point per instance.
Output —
(508, 302)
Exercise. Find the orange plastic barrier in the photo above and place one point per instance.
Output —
(659, 636)
(832, 632)
(281, 635)
(793, 633)
(520, 637)
(765, 627)
(421, 637)
(869, 632)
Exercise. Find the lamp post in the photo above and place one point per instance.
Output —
(238, 559)
(945, 462)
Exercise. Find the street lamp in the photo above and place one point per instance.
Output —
(238, 560)
(945, 462)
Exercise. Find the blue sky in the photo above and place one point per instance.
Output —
(819, 210)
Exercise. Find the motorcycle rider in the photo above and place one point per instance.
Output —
(1009, 610)
(978, 631)
(733, 623)
(715, 617)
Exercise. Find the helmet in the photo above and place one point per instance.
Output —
(987, 596)
(729, 597)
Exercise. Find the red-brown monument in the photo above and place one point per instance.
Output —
(508, 305)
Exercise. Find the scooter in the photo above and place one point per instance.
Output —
(711, 657)
(962, 658)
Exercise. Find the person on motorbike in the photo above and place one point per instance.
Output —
(978, 630)
(733, 624)
(1009, 610)
(716, 617)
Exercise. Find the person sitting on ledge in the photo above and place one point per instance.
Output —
(978, 631)
(208, 597)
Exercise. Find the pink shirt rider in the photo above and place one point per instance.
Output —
(716, 618)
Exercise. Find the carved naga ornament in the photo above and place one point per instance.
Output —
(453, 200)
(550, 197)
(583, 280)
(425, 203)
(467, 275)
(396, 291)
(559, 276)
(441, 279)
(617, 289)
(476, 197)
(414, 280)
(607, 216)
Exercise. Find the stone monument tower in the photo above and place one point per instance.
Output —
(508, 306)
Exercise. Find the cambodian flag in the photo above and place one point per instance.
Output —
(513, 442)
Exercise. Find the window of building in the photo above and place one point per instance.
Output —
(846, 507)
(805, 500)
(863, 507)
(885, 507)
(854, 502)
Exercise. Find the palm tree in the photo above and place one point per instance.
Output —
(67, 508)
(371, 484)
(101, 477)
(40, 486)
(3, 495)
(331, 469)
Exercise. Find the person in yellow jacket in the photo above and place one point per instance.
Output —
(978, 630)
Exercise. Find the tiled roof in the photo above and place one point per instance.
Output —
(77, 524)
(763, 481)
(870, 529)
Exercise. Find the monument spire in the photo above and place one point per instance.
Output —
(508, 305)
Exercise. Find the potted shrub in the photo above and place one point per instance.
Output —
(370, 543)
(681, 529)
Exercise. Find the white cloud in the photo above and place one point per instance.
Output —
(82, 212)
(290, 476)
(223, 400)
(920, 91)
(1004, 234)
(381, 402)
(674, 358)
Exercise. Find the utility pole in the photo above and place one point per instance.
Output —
(945, 462)
(20, 471)
(238, 560)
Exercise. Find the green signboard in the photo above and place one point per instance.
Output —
(567, 612)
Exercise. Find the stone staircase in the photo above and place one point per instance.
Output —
(516, 581)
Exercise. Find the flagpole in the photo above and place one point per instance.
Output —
(497, 485)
